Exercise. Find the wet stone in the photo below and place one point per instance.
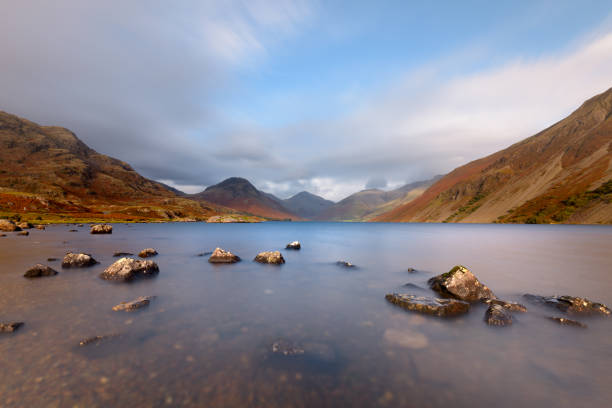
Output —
(286, 348)
(270, 257)
(39, 270)
(73, 230)
(117, 254)
(568, 322)
(147, 252)
(139, 303)
(497, 315)
(512, 306)
(96, 340)
(429, 305)
(51, 259)
(23, 233)
(294, 245)
(222, 256)
(101, 229)
(72, 260)
(8, 226)
(345, 264)
(127, 269)
(460, 283)
(411, 270)
(10, 327)
(40, 227)
(571, 304)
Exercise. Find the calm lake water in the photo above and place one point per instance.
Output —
(205, 341)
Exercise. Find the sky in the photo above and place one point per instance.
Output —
(325, 96)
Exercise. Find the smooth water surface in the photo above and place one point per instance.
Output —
(205, 341)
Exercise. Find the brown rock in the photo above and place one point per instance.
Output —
(23, 233)
(460, 283)
(10, 327)
(512, 306)
(9, 226)
(428, 305)
(72, 260)
(142, 301)
(39, 270)
(40, 227)
(147, 252)
(127, 269)
(222, 256)
(96, 340)
(294, 245)
(571, 304)
(101, 229)
(25, 225)
(270, 257)
(568, 322)
(498, 315)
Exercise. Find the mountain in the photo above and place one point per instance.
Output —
(307, 205)
(239, 194)
(367, 204)
(47, 170)
(561, 174)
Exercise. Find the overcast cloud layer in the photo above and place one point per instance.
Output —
(182, 91)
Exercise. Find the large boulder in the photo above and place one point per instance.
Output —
(429, 305)
(39, 270)
(101, 229)
(10, 327)
(571, 304)
(9, 226)
(72, 260)
(294, 245)
(270, 257)
(497, 315)
(147, 252)
(127, 269)
(139, 303)
(460, 283)
(222, 256)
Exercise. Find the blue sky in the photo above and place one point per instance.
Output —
(297, 94)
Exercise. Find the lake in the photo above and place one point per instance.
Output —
(206, 339)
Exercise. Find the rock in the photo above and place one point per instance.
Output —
(460, 283)
(101, 229)
(116, 254)
(40, 227)
(51, 259)
(72, 260)
(9, 226)
(142, 301)
(270, 257)
(568, 322)
(95, 340)
(410, 285)
(25, 225)
(571, 304)
(73, 230)
(39, 270)
(2, 235)
(147, 252)
(294, 245)
(512, 306)
(10, 327)
(80, 225)
(428, 305)
(205, 253)
(222, 256)
(497, 315)
(23, 233)
(126, 269)
(345, 264)
(286, 348)
(411, 270)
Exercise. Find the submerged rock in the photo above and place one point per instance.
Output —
(429, 305)
(287, 348)
(10, 327)
(270, 257)
(51, 259)
(2, 235)
(407, 338)
(205, 253)
(568, 322)
(293, 245)
(512, 306)
(571, 304)
(222, 256)
(39, 270)
(346, 264)
(116, 254)
(24, 233)
(460, 283)
(142, 301)
(127, 269)
(40, 227)
(147, 252)
(101, 229)
(73, 230)
(8, 226)
(497, 315)
(72, 260)
(411, 270)
(95, 340)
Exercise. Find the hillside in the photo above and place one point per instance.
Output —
(560, 175)
(307, 205)
(239, 194)
(46, 172)
(367, 204)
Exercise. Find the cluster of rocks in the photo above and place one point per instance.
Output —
(19, 228)
(101, 229)
(459, 288)
(222, 256)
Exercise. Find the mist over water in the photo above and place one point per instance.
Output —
(206, 339)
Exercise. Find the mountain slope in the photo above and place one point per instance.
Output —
(561, 174)
(367, 204)
(239, 194)
(47, 169)
(307, 205)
